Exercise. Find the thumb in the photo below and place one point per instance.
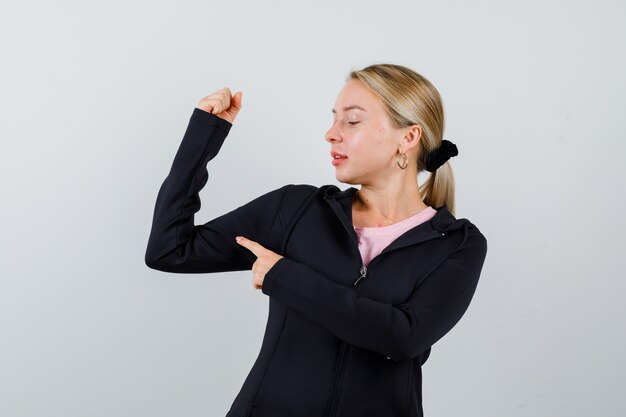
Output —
(238, 97)
(235, 104)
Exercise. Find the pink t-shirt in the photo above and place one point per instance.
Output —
(373, 240)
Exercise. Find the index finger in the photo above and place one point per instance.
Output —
(251, 245)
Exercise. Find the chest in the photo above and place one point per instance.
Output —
(320, 240)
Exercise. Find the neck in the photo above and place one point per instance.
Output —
(388, 203)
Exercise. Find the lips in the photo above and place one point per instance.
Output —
(337, 154)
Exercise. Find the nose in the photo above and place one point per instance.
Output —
(332, 135)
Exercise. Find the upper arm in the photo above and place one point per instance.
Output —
(441, 300)
(211, 247)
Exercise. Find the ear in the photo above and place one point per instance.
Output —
(411, 138)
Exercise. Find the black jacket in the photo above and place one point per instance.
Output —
(341, 339)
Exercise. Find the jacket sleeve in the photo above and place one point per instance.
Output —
(177, 245)
(401, 331)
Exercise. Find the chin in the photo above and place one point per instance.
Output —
(346, 179)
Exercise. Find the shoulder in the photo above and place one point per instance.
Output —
(474, 242)
(302, 189)
(297, 194)
(292, 200)
(468, 237)
(286, 195)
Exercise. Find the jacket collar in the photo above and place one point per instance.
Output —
(441, 223)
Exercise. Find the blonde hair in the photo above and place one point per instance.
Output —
(411, 99)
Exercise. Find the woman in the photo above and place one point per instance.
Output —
(361, 282)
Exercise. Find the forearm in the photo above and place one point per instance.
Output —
(400, 331)
(178, 198)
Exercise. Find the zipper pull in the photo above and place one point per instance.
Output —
(362, 272)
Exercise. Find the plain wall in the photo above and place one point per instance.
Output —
(95, 98)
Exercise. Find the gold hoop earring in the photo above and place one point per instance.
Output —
(406, 160)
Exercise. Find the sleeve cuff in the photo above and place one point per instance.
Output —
(273, 274)
(209, 119)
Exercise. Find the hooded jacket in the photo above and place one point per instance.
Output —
(341, 339)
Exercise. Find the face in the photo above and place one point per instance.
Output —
(362, 131)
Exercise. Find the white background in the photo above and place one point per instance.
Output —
(95, 98)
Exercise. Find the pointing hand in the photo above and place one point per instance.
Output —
(265, 260)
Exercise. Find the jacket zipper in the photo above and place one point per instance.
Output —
(363, 272)
(343, 350)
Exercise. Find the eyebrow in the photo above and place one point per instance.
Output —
(354, 106)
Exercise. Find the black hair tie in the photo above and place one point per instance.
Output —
(438, 157)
